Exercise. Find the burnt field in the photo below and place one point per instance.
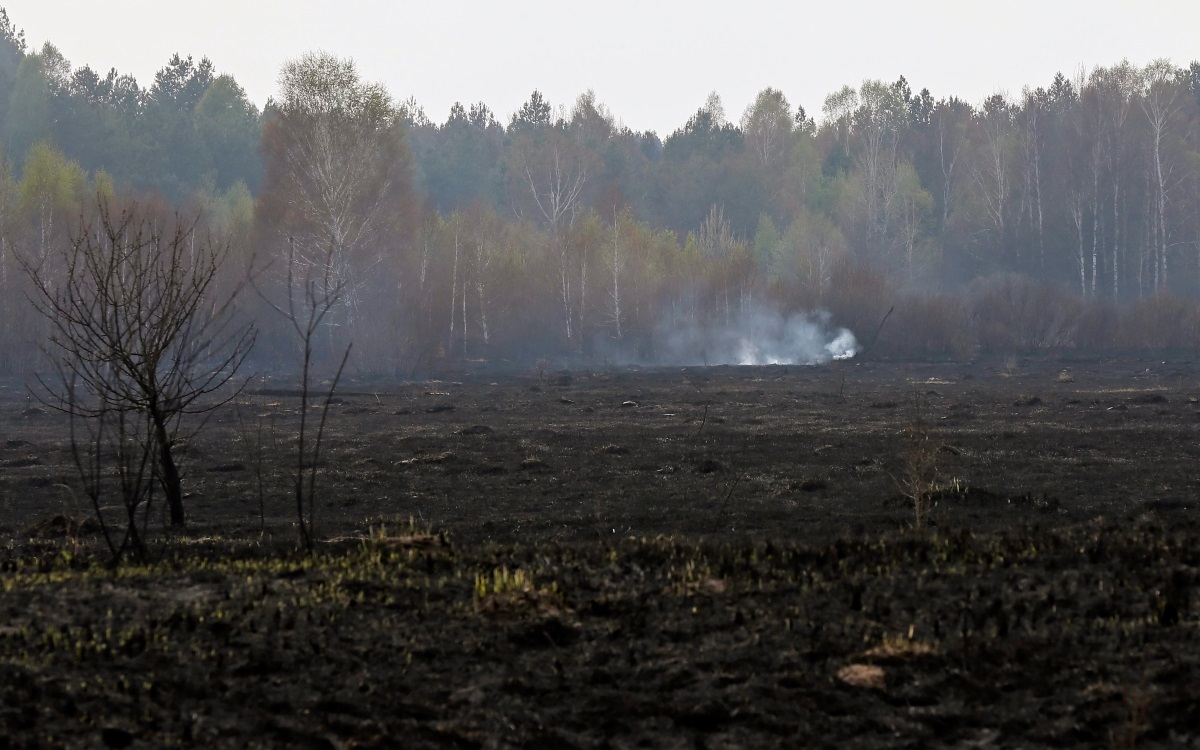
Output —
(706, 557)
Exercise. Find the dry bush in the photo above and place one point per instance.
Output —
(1011, 311)
(1161, 322)
(1097, 327)
(917, 477)
(930, 326)
(140, 343)
(860, 296)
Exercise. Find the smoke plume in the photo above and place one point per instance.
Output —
(756, 337)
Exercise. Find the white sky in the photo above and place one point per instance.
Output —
(652, 63)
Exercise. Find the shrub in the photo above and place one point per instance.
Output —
(1160, 322)
(1097, 327)
(1010, 311)
(930, 326)
(860, 297)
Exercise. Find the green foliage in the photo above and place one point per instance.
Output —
(461, 159)
(812, 249)
(768, 248)
(28, 106)
(533, 114)
(51, 193)
(102, 186)
(1088, 185)
(12, 52)
(188, 126)
(227, 126)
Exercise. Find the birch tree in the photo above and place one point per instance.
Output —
(1032, 119)
(337, 185)
(50, 194)
(1161, 102)
(10, 297)
(814, 247)
(616, 259)
(877, 123)
(838, 111)
(550, 172)
(1090, 127)
(991, 170)
(950, 122)
(767, 127)
(729, 258)
(1120, 86)
(486, 233)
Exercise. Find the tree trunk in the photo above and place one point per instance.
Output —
(1162, 207)
(1095, 217)
(1077, 215)
(453, 292)
(582, 292)
(565, 291)
(483, 325)
(168, 472)
(1116, 234)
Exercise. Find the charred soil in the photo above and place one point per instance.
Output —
(710, 557)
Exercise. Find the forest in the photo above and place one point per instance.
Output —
(1063, 216)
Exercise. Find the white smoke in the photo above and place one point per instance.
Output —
(843, 346)
(757, 337)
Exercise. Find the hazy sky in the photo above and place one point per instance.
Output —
(652, 63)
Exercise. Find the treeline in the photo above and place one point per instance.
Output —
(190, 130)
(1065, 216)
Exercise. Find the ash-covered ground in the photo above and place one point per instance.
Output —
(699, 557)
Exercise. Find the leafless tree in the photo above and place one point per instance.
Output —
(616, 260)
(1162, 102)
(341, 169)
(111, 447)
(877, 123)
(139, 336)
(554, 172)
(992, 170)
(312, 291)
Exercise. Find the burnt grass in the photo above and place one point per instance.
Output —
(708, 557)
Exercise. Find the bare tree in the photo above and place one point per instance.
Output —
(950, 120)
(991, 173)
(1120, 83)
(1091, 125)
(336, 197)
(113, 446)
(137, 332)
(616, 261)
(1032, 118)
(554, 170)
(453, 227)
(838, 111)
(1161, 102)
(313, 290)
(486, 230)
(729, 257)
(767, 127)
(877, 124)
